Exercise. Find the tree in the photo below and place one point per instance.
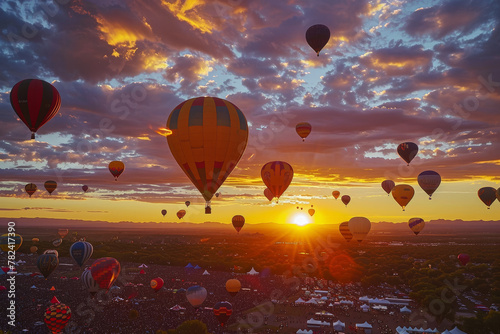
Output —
(192, 327)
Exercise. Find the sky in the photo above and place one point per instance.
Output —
(427, 72)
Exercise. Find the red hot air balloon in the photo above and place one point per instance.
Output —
(57, 317)
(487, 195)
(407, 151)
(85, 188)
(303, 130)
(116, 168)
(463, 258)
(105, 271)
(181, 213)
(156, 284)
(317, 36)
(345, 199)
(222, 311)
(238, 222)
(269, 195)
(277, 176)
(163, 212)
(35, 102)
(387, 185)
(188, 203)
(336, 194)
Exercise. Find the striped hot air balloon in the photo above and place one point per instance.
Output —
(30, 188)
(238, 222)
(81, 251)
(116, 168)
(429, 181)
(50, 186)
(35, 102)
(89, 282)
(47, 263)
(209, 136)
(222, 311)
(416, 225)
(277, 176)
(344, 230)
(303, 130)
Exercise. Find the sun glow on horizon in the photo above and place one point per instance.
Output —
(300, 219)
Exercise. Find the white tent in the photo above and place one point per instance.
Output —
(457, 331)
(446, 332)
(304, 331)
(339, 325)
(316, 323)
(379, 301)
(364, 325)
(34, 287)
(300, 301)
(143, 266)
(404, 310)
(206, 273)
(365, 308)
(253, 272)
(364, 299)
(177, 308)
(331, 305)
(346, 302)
(311, 301)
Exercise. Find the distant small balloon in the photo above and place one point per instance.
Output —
(303, 130)
(116, 168)
(85, 188)
(387, 185)
(50, 186)
(163, 212)
(407, 151)
(181, 213)
(30, 188)
(416, 225)
(346, 199)
(336, 194)
(487, 195)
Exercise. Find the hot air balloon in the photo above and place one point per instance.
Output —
(311, 212)
(9, 243)
(277, 176)
(416, 225)
(181, 213)
(116, 168)
(345, 199)
(269, 195)
(238, 222)
(57, 242)
(217, 195)
(336, 194)
(359, 227)
(403, 194)
(163, 212)
(63, 232)
(303, 130)
(33, 249)
(50, 186)
(463, 258)
(344, 230)
(487, 195)
(156, 284)
(196, 295)
(51, 252)
(407, 151)
(57, 317)
(81, 251)
(35, 240)
(209, 136)
(105, 271)
(188, 203)
(387, 185)
(429, 181)
(85, 188)
(498, 194)
(89, 282)
(30, 188)
(47, 263)
(233, 286)
(35, 102)
(317, 36)
(222, 311)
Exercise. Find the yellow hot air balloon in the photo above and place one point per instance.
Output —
(359, 227)
(209, 136)
(303, 130)
(311, 212)
(403, 193)
(277, 175)
(233, 286)
(116, 168)
(416, 225)
(336, 194)
(10, 242)
(50, 186)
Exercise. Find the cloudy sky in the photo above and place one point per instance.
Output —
(393, 71)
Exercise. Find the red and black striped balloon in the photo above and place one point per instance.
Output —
(35, 102)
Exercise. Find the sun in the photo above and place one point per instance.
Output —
(300, 219)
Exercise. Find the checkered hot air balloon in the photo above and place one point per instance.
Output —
(57, 316)
(105, 271)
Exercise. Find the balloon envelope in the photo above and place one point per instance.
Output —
(317, 36)
(407, 151)
(63, 232)
(403, 194)
(429, 181)
(51, 251)
(269, 195)
(50, 186)
(233, 286)
(196, 295)
(57, 242)
(303, 130)
(188, 203)
(89, 282)
(487, 195)
(81, 251)
(222, 311)
(181, 213)
(33, 249)
(463, 258)
(311, 212)
(30, 188)
(35, 102)
(359, 227)
(85, 188)
(163, 212)
(57, 317)
(336, 194)
(14, 244)
(344, 230)
(209, 136)
(238, 222)
(388, 185)
(105, 271)
(116, 168)
(277, 176)
(156, 283)
(47, 263)
(345, 199)
(416, 225)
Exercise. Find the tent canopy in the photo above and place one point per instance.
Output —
(364, 325)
